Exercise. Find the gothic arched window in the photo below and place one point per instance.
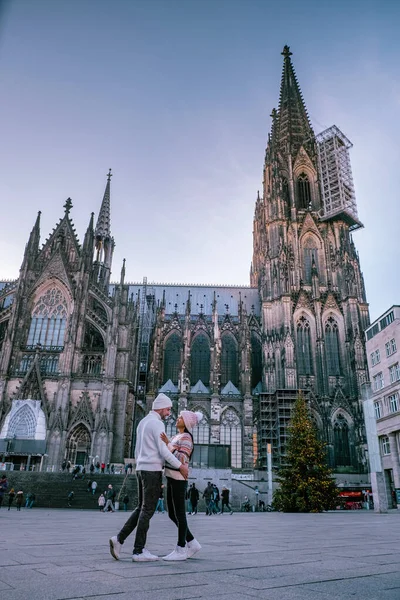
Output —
(341, 442)
(229, 360)
(303, 192)
(172, 358)
(93, 340)
(310, 258)
(23, 423)
(49, 319)
(201, 433)
(78, 445)
(200, 360)
(304, 352)
(332, 347)
(231, 435)
(255, 360)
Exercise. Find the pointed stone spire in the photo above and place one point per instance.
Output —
(293, 126)
(32, 246)
(122, 279)
(104, 220)
(89, 237)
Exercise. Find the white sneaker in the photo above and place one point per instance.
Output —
(115, 547)
(144, 556)
(178, 554)
(192, 547)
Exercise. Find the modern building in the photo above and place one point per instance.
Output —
(82, 358)
(383, 354)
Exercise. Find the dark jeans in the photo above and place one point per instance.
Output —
(227, 506)
(149, 485)
(176, 494)
(194, 507)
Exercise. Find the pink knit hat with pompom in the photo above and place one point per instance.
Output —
(191, 419)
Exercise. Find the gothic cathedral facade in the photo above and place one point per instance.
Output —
(81, 358)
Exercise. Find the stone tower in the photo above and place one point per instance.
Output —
(307, 270)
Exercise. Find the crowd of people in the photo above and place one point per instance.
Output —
(13, 495)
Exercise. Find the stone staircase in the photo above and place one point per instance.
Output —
(52, 489)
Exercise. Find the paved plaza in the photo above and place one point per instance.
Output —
(63, 555)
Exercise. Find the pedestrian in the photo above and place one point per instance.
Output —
(110, 499)
(19, 499)
(63, 465)
(70, 498)
(68, 466)
(125, 502)
(3, 488)
(130, 468)
(91, 468)
(160, 503)
(257, 496)
(11, 496)
(194, 498)
(94, 487)
(97, 467)
(216, 498)
(225, 500)
(101, 502)
(182, 447)
(89, 486)
(246, 504)
(112, 469)
(208, 498)
(103, 466)
(150, 454)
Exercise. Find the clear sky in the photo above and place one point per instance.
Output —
(175, 97)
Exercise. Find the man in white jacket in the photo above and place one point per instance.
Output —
(150, 455)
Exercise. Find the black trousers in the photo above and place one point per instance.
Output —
(227, 506)
(149, 485)
(176, 494)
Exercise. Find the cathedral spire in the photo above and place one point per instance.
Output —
(104, 221)
(32, 247)
(88, 240)
(293, 127)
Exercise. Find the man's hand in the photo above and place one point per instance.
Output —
(184, 470)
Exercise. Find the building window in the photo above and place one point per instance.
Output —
(303, 192)
(378, 382)
(378, 410)
(200, 360)
(393, 401)
(201, 433)
(49, 319)
(255, 360)
(341, 442)
(385, 445)
(386, 320)
(231, 435)
(172, 358)
(332, 346)
(394, 373)
(229, 360)
(390, 347)
(375, 357)
(304, 355)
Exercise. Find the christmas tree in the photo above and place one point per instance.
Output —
(306, 483)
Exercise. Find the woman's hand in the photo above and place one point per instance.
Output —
(164, 438)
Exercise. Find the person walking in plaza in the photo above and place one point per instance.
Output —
(194, 498)
(150, 453)
(125, 502)
(101, 502)
(11, 496)
(110, 499)
(225, 500)
(94, 487)
(208, 498)
(19, 499)
(3, 488)
(160, 503)
(182, 447)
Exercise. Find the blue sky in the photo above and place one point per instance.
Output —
(175, 97)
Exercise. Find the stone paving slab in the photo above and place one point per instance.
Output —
(63, 555)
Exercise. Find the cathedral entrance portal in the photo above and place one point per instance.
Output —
(78, 445)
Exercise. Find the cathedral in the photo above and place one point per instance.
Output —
(82, 357)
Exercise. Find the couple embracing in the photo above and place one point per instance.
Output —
(153, 451)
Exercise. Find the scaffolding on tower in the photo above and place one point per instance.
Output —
(336, 178)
